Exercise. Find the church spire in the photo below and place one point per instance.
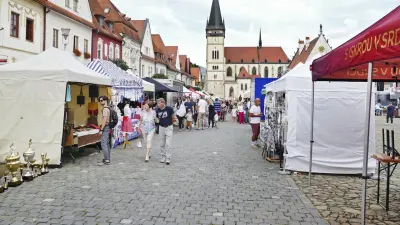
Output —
(215, 21)
(260, 41)
(320, 29)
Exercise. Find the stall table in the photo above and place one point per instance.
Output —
(82, 139)
(387, 164)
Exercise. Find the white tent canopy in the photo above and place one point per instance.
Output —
(337, 111)
(148, 87)
(32, 96)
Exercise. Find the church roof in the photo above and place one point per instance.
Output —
(243, 74)
(251, 55)
(215, 21)
(302, 55)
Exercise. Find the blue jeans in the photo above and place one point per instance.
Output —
(246, 116)
(105, 139)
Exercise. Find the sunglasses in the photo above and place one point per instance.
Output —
(100, 100)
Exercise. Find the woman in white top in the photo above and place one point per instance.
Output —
(180, 113)
(234, 112)
(147, 127)
(241, 113)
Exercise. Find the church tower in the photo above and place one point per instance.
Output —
(215, 33)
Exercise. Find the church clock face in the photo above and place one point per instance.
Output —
(321, 49)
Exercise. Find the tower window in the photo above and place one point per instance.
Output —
(245, 87)
(215, 76)
(241, 87)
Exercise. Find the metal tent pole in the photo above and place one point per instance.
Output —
(312, 133)
(366, 144)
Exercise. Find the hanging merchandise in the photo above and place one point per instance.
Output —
(68, 95)
(93, 91)
(80, 99)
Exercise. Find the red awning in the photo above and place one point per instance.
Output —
(380, 44)
(192, 90)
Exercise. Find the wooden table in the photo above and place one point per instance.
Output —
(389, 165)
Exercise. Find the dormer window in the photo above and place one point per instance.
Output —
(252, 60)
(229, 60)
(101, 20)
(266, 61)
(241, 60)
(111, 26)
(106, 10)
(279, 61)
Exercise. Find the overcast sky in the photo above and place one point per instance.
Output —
(283, 22)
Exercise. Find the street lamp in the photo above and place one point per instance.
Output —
(65, 35)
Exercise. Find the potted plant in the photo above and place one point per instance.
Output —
(87, 55)
(77, 52)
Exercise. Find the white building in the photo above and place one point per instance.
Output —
(225, 63)
(73, 15)
(173, 68)
(147, 61)
(21, 30)
(309, 48)
(161, 59)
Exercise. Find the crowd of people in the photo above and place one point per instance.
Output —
(200, 114)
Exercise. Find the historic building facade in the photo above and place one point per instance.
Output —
(224, 64)
(21, 30)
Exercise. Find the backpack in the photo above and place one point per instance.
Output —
(113, 118)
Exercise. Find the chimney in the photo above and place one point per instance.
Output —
(301, 45)
(307, 42)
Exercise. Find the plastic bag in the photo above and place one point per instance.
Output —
(139, 143)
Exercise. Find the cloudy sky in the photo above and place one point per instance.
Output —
(283, 22)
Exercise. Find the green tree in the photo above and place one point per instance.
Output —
(194, 65)
(121, 64)
(159, 76)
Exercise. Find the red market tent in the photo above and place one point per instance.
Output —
(380, 44)
(374, 54)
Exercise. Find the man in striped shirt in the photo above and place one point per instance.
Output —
(217, 106)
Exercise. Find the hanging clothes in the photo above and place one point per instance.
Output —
(68, 94)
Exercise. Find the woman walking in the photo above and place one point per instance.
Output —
(147, 127)
(180, 113)
(241, 113)
(211, 113)
(234, 112)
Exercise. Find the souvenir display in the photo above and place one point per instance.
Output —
(28, 157)
(13, 165)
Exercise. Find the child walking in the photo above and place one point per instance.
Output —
(234, 113)
(189, 119)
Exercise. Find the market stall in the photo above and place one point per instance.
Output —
(34, 93)
(161, 89)
(333, 154)
(124, 86)
(372, 55)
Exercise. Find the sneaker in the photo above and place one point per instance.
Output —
(163, 160)
(180, 130)
(168, 161)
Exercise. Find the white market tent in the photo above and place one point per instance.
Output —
(147, 86)
(335, 149)
(32, 96)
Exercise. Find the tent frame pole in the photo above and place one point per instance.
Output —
(366, 144)
(312, 133)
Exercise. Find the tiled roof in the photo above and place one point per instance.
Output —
(243, 74)
(172, 52)
(248, 54)
(121, 23)
(304, 54)
(65, 12)
(182, 60)
(148, 58)
(139, 24)
(158, 43)
(195, 73)
(99, 10)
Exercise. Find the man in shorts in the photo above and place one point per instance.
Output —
(255, 119)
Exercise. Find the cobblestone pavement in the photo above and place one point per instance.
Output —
(338, 198)
(214, 178)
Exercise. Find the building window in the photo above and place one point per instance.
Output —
(67, 3)
(85, 46)
(254, 71)
(215, 76)
(149, 73)
(55, 38)
(229, 72)
(111, 26)
(266, 72)
(106, 50)
(14, 25)
(29, 29)
(142, 70)
(241, 87)
(101, 20)
(76, 42)
(75, 5)
(117, 52)
(245, 87)
(111, 51)
(100, 50)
